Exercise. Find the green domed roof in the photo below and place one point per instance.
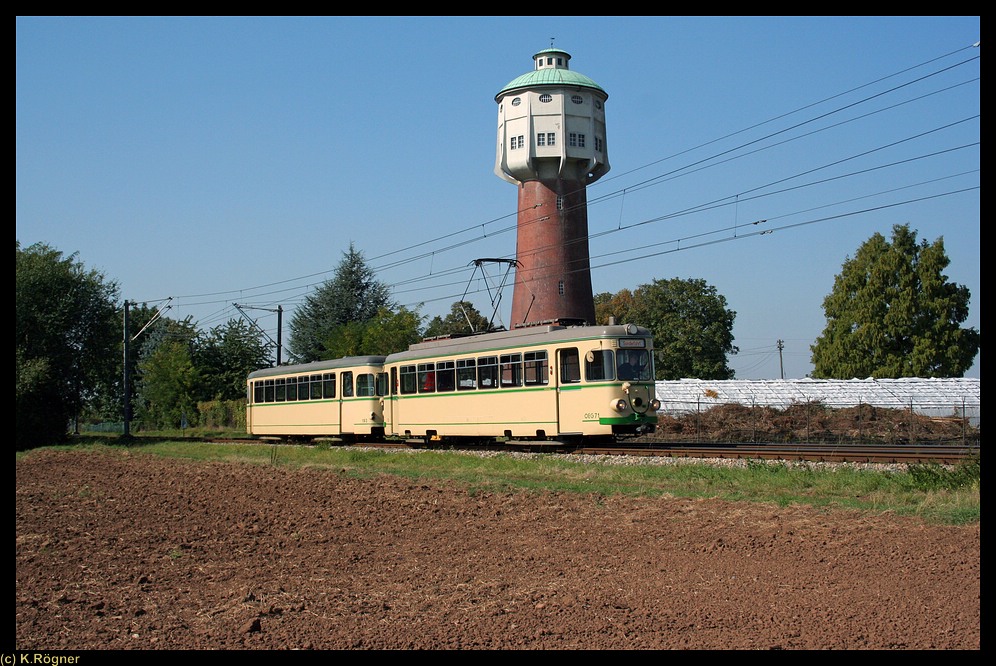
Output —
(550, 76)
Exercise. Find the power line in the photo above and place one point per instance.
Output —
(298, 291)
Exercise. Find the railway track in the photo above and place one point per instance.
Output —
(933, 454)
(942, 454)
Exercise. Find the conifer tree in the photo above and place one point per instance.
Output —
(352, 295)
(893, 313)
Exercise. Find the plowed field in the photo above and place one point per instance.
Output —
(129, 551)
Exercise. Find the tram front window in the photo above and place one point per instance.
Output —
(633, 364)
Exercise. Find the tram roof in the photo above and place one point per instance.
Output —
(318, 366)
(519, 337)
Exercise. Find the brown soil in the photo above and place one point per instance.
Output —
(129, 551)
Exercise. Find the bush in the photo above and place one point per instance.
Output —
(937, 477)
(222, 414)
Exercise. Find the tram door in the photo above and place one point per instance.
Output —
(570, 398)
(390, 402)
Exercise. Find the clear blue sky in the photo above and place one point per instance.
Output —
(233, 160)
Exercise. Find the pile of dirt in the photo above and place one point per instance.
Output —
(130, 551)
(814, 422)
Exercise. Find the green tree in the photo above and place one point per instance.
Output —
(168, 387)
(353, 294)
(618, 305)
(344, 340)
(892, 313)
(692, 328)
(166, 379)
(224, 357)
(392, 331)
(463, 318)
(385, 333)
(67, 341)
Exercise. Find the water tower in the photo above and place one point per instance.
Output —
(551, 145)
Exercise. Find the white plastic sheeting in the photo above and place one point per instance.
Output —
(960, 397)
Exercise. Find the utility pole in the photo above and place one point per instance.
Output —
(127, 367)
(127, 377)
(280, 325)
(781, 346)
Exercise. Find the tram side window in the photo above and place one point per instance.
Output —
(281, 390)
(487, 372)
(536, 368)
(257, 392)
(570, 366)
(291, 389)
(347, 384)
(383, 386)
(328, 385)
(316, 387)
(426, 377)
(511, 370)
(445, 378)
(268, 391)
(466, 374)
(365, 384)
(409, 380)
(600, 368)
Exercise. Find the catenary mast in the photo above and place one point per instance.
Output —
(551, 144)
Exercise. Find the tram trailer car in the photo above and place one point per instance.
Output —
(341, 398)
(544, 382)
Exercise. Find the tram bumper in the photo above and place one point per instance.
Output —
(631, 424)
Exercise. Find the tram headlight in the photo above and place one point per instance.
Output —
(620, 405)
(655, 404)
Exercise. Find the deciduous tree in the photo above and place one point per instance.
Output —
(392, 331)
(463, 319)
(618, 305)
(692, 328)
(67, 341)
(225, 356)
(168, 387)
(167, 381)
(385, 333)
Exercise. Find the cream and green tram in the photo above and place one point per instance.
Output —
(341, 398)
(543, 382)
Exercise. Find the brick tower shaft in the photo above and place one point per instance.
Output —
(553, 278)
